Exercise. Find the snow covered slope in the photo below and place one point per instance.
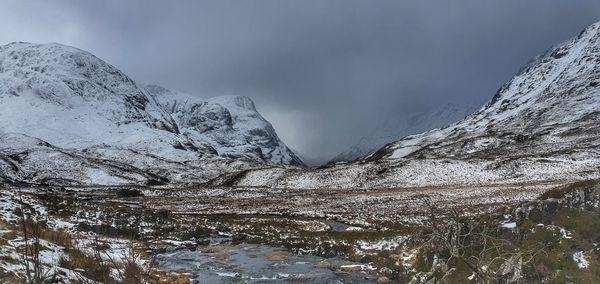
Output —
(544, 124)
(229, 124)
(550, 107)
(85, 110)
(31, 160)
(72, 99)
(394, 129)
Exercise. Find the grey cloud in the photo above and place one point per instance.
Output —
(324, 72)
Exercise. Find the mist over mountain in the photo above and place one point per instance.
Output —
(542, 124)
(308, 66)
(419, 152)
(395, 128)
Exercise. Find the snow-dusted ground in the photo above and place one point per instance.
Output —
(580, 259)
(356, 207)
(51, 254)
(217, 223)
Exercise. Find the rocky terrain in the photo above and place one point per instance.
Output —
(546, 232)
(229, 124)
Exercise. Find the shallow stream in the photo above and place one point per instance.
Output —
(250, 263)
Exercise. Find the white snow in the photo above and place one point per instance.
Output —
(354, 229)
(509, 225)
(368, 266)
(89, 112)
(565, 234)
(580, 259)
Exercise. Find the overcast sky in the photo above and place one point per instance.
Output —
(324, 73)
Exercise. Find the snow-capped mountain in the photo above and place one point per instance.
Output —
(229, 124)
(393, 129)
(72, 99)
(544, 124)
(551, 107)
(67, 102)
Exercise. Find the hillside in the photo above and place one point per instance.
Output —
(541, 125)
(394, 129)
(93, 124)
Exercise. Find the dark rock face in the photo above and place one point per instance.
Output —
(204, 118)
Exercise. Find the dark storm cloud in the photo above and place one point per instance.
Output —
(323, 72)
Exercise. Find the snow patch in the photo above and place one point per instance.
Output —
(580, 259)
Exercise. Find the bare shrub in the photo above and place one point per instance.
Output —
(32, 232)
(475, 243)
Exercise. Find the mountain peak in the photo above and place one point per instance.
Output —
(236, 101)
(73, 100)
(230, 124)
(53, 56)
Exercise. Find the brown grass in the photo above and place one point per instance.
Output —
(7, 237)
(278, 255)
(89, 266)
(9, 278)
(163, 277)
(325, 265)
(560, 192)
(9, 260)
(133, 273)
(59, 237)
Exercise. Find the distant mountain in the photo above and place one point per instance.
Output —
(229, 124)
(396, 128)
(543, 125)
(66, 103)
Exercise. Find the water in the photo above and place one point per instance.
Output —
(248, 263)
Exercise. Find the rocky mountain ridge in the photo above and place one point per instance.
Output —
(66, 114)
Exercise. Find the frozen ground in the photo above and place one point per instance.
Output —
(229, 234)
